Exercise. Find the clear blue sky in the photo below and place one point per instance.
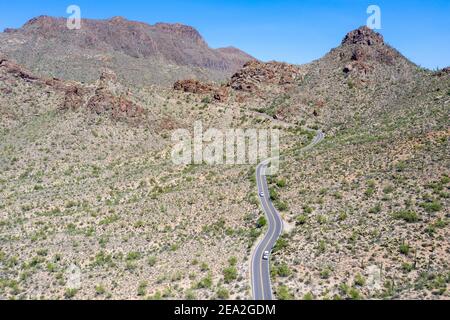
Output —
(296, 31)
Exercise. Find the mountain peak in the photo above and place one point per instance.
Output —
(364, 36)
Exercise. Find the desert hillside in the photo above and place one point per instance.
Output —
(86, 177)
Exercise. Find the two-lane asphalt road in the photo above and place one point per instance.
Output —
(260, 268)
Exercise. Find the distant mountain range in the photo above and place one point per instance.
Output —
(138, 52)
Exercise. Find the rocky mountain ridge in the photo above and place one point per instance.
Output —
(165, 52)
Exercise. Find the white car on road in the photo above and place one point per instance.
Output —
(266, 255)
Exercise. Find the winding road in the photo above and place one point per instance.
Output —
(260, 268)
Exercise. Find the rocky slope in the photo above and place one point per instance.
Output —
(366, 211)
(139, 53)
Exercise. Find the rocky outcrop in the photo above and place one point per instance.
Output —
(193, 86)
(256, 73)
(363, 36)
(13, 69)
(219, 93)
(443, 72)
(365, 48)
(73, 98)
(254, 77)
(111, 99)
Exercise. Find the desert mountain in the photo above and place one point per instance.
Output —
(86, 177)
(139, 53)
(360, 82)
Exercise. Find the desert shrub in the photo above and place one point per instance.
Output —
(70, 293)
(232, 261)
(205, 283)
(281, 244)
(99, 289)
(230, 274)
(283, 293)
(151, 261)
(281, 183)
(142, 288)
(281, 206)
(283, 270)
(431, 207)
(222, 293)
(273, 194)
(307, 209)
(408, 216)
(190, 295)
(404, 248)
(360, 280)
(262, 222)
(301, 219)
(325, 273)
(309, 296)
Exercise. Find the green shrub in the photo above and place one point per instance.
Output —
(205, 283)
(307, 209)
(190, 295)
(281, 183)
(281, 244)
(222, 293)
(400, 166)
(132, 256)
(407, 267)
(230, 274)
(354, 294)
(232, 261)
(301, 219)
(309, 296)
(281, 206)
(151, 261)
(273, 194)
(321, 246)
(369, 192)
(99, 289)
(408, 216)
(204, 267)
(360, 280)
(283, 270)
(70, 293)
(262, 222)
(431, 207)
(376, 209)
(283, 293)
(404, 248)
(342, 216)
(142, 288)
(325, 273)
(321, 219)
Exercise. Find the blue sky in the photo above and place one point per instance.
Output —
(285, 30)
